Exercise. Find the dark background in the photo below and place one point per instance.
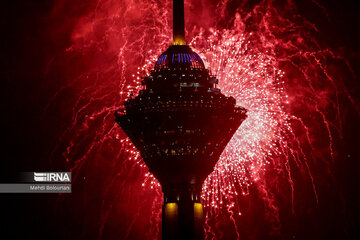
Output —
(28, 43)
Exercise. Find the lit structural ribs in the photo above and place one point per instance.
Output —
(180, 122)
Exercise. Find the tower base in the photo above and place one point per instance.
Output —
(182, 215)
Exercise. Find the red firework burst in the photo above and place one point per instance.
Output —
(264, 57)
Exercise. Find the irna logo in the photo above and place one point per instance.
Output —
(52, 177)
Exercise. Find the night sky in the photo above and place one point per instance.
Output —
(34, 36)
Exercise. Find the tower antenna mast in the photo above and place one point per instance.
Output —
(178, 23)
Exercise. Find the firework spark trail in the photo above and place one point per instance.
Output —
(154, 231)
(231, 211)
(251, 64)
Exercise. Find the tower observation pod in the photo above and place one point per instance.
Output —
(180, 123)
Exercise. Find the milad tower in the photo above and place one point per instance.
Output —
(180, 123)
